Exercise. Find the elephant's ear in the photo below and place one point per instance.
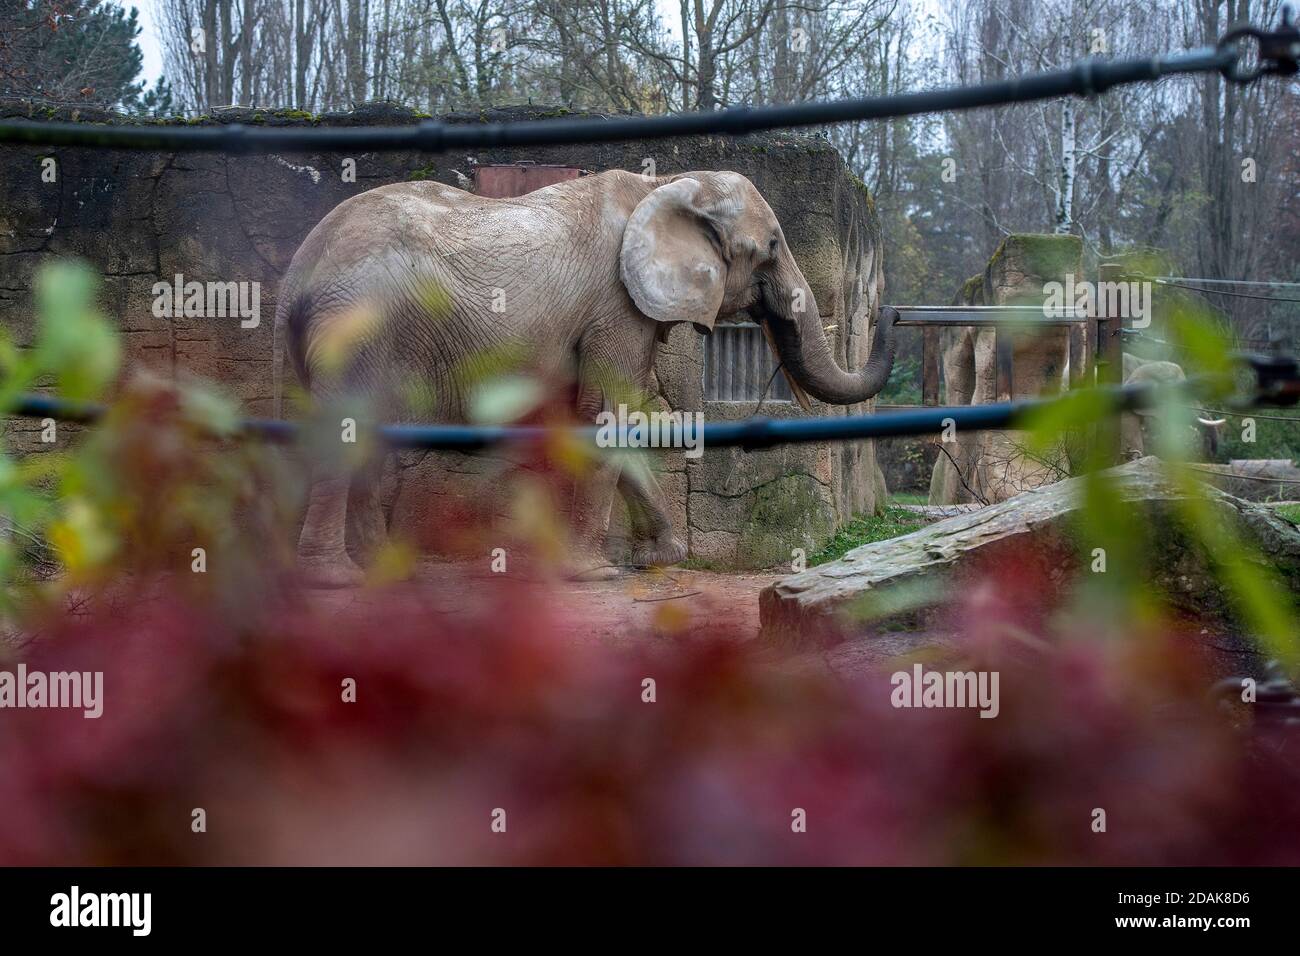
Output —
(669, 263)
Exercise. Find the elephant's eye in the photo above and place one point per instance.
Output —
(771, 247)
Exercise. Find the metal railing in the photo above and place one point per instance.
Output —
(1003, 320)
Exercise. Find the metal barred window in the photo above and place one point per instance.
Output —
(738, 364)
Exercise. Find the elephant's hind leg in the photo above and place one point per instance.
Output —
(367, 531)
(322, 548)
(601, 362)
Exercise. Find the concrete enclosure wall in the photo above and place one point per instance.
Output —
(142, 217)
(992, 466)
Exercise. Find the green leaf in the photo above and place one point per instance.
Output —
(504, 400)
(1046, 424)
(74, 342)
(213, 412)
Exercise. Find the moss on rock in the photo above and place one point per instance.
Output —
(972, 291)
(790, 512)
(1039, 255)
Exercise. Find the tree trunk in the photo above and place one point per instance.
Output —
(686, 55)
(462, 74)
(211, 41)
(229, 53)
(301, 54)
(1065, 193)
(246, 53)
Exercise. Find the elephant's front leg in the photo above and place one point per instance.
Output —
(593, 492)
(614, 360)
(653, 542)
(593, 497)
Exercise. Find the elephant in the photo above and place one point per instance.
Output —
(583, 278)
(1138, 429)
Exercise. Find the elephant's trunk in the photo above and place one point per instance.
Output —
(806, 353)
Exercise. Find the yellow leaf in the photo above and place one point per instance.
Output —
(392, 563)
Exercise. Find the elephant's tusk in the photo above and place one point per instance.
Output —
(796, 389)
(1211, 422)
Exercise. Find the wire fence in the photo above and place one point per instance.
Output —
(1234, 294)
(1199, 280)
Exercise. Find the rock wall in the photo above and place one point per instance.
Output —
(990, 466)
(139, 217)
(911, 582)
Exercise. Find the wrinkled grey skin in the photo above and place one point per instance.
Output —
(590, 272)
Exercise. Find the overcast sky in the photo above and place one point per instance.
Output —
(150, 45)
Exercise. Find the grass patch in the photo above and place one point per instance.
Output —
(866, 529)
(909, 498)
(1289, 512)
(701, 564)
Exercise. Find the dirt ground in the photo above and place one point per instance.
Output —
(634, 606)
(641, 606)
(647, 607)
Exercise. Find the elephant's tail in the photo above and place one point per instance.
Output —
(291, 317)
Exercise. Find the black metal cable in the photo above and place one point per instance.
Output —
(749, 433)
(1088, 77)
(1204, 281)
(1233, 475)
(1248, 413)
(1239, 295)
(1140, 336)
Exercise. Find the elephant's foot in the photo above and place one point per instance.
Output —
(330, 571)
(590, 565)
(604, 573)
(659, 552)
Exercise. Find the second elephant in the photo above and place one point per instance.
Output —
(1140, 431)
